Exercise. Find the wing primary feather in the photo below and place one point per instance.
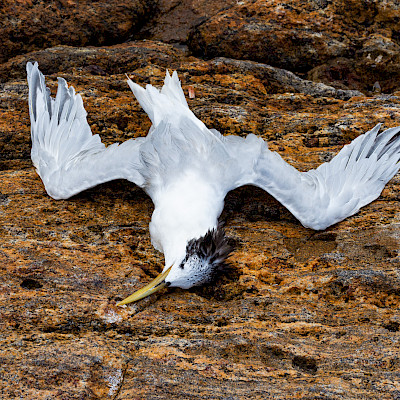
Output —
(385, 140)
(336, 189)
(70, 159)
(368, 141)
(66, 155)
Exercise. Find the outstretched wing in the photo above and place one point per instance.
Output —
(318, 198)
(326, 195)
(67, 157)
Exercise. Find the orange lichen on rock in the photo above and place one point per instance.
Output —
(298, 314)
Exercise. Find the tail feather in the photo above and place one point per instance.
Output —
(167, 104)
(172, 88)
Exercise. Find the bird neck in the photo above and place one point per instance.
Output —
(185, 210)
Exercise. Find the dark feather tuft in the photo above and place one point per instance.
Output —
(213, 247)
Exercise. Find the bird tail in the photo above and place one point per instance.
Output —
(161, 104)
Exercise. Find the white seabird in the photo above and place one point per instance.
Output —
(187, 170)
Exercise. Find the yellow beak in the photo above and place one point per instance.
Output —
(154, 286)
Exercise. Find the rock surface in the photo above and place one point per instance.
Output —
(173, 20)
(27, 25)
(301, 314)
(351, 43)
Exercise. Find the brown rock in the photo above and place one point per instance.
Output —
(353, 42)
(174, 19)
(27, 25)
(375, 63)
(294, 37)
(301, 314)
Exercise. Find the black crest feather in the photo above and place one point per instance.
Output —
(213, 247)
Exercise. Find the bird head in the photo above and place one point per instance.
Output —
(204, 257)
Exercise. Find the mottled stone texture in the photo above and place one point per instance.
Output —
(27, 25)
(300, 314)
(174, 19)
(352, 43)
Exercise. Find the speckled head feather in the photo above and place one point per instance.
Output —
(213, 247)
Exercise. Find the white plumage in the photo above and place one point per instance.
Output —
(187, 170)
